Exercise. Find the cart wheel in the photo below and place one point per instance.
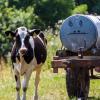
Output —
(77, 82)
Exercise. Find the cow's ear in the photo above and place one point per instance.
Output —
(10, 33)
(34, 31)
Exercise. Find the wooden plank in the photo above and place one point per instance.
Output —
(86, 61)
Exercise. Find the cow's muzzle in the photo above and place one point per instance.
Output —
(23, 51)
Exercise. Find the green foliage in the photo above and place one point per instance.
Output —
(21, 4)
(96, 7)
(22, 18)
(4, 46)
(93, 5)
(53, 45)
(51, 11)
(81, 9)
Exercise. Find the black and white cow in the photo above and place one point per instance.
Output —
(28, 54)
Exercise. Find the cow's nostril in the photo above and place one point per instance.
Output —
(23, 50)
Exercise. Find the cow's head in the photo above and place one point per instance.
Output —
(23, 38)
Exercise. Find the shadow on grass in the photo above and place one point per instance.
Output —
(93, 98)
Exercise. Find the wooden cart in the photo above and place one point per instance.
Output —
(77, 69)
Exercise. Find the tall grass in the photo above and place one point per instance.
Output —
(52, 45)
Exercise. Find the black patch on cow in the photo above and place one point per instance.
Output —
(15, 54)
(28, 55)
(18, 42)
(26, 41)
(40, 51)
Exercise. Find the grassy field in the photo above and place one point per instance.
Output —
(52, 86)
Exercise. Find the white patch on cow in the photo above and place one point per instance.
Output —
(31, 40)
(22, 67)
(40, 39)
(22, 31)
(23, 45)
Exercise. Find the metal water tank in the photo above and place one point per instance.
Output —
(80, 31)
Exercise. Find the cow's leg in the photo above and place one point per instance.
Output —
(25, 83)
(37, 79)
(18, 85)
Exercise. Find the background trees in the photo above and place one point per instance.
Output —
(50, 11)
(93, 5)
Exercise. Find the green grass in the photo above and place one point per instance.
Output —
(51, 87)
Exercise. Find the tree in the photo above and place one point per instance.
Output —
(96, 7)
(51, 11)
(93, 5)
(21, 4)
(48, 12)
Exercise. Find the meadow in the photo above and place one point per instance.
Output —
(51, 87)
